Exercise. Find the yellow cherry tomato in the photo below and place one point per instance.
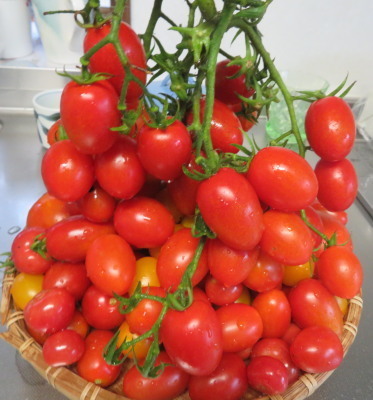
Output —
(25, 287)
(343, 304)
(139, 350)
(295, 273)
(187, 221)
(146, 273)
(245, 297)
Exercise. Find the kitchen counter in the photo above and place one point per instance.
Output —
(21, 185)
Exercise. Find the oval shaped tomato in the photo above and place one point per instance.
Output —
(111, 264)
(88, 114)
(107, 60)
(338, 184)
(145, 273)
(193, 338)
(97, 205)
(230, 207)
(330, 128)
(312, 304)
(25, 287)
(219, 294)
(282, 179)
(163, 152)
(67, 173)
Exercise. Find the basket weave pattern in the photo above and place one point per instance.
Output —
(74, 387)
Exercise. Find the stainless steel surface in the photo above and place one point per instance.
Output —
(21, 185)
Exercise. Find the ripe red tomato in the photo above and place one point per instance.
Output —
(49, 311)
(67, 173)
(227, 382)
(219, 294)
(143, 222)
(107, 60)
(274, 309)
(163, 152)
(312, 304)
(68, 240)
(241, 326)
(119, 171)
(317, 349)
(53, 132)
(111, 264)
(171, 383)
(230, 207)
(97, 205)
(340, 271)
(193, 338)
(338, 184)
(24, 257)
(72, 277)
(282, 179)
(88, 114)
(79, 324)
(92, 365)
(63, 348)
(175, 256)
(330, 128)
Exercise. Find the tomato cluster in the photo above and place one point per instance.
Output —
(117, 214)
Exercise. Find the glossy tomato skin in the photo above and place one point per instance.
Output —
(338, 184)
(330, 128)
(220, 294)
(163, 152)
(97, 205)
(88, 112)
(317, 349)
(107, 60)
(169, 384)
(143, 222)
(67, 173)
(50, 311)
(312, 304)
(25, 287)
(119, 171)
(193, 338)
(111, 264)
(227, 382)
(286, 238)
(230, 207)
(63, 348)
(69, 239)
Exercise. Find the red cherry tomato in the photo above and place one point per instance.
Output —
(193, 339)
(79, 324)
(97, 205)
(67, 173)
(230, 207)
(220, 294)
(330, 128)
(282, 179)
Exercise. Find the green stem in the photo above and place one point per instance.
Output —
(313, 228)
(154, 17)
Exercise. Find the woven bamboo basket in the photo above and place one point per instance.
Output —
(66, 381)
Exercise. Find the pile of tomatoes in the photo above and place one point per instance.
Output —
(272, 283)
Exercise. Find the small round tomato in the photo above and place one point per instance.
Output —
(330, 128)
(67, 173)
(97, 205)
(146, 273)
(139, 350)
(25, 287)
(63, 348)
(317, 349)
(220, 294)
(282, 179)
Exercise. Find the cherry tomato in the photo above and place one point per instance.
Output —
(92, 365)
(72, 277)
(227, 382)
(317, 349)
(338, 184)
(107, 60)
(193, 338)
(171, 383)
(314, 218)
(274, 309)
(267, 375)
(67, 173)
(282, 179)
(342, 216)
(139, 350)
(63, 348)
(54, 132)
(291, 333)
(97, 205)
(49, 311)
(286, 238)
(230, 207)
(79, 324)
(312, 304)
(175, 256)
(340, 271)
(333, 226)
(163, 152)
(295, 273)
(101, 310)
(220, 294)
(241, 326)
(146, 273)
(24, 257)
(330, 128)
(227, 265)
(25, 287)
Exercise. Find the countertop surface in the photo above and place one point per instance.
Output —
(21, 185)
